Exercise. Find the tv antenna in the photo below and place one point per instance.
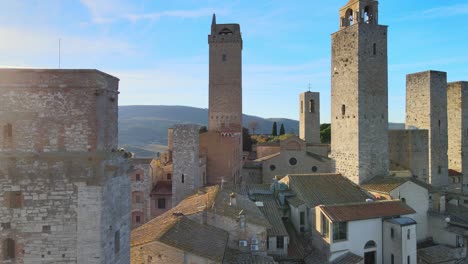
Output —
(59, 51)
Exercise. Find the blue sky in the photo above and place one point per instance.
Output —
(159, 48)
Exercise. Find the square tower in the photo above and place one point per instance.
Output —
(309, 117)
(64, 187)
(186, 169)
(426, 108)
(225, 81)
(457, 114)
(359, 95)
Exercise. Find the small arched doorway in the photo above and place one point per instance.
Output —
(370, 252)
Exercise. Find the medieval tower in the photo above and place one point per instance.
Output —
(222, 144)
(426, 108)
(225, 81)
(63, 185)
(359, 118)
(309, 117)
(457, 114)
(186, 169)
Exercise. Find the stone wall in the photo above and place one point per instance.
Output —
(408, 150)
(186, 178)
(457, 114)
(309, 117)
(426, 108)
(359, 143)
(141, 184)
(64, 189)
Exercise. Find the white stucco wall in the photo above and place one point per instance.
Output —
(400, 246)
(417, 198)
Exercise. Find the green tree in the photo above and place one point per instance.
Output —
(274, 130)
(246, 140)
(282, 132)
(325, 133)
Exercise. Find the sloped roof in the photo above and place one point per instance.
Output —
(389, 183)
(294, 201)
(271, 211)
(365, 210)
(318, 188)
(253, 214)
(348, 258)
(267, 157)
(200, 239)
(157, 227)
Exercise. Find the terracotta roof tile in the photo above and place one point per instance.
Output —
(389, 183)
(200, 239)
(366, 210)
(316, 189)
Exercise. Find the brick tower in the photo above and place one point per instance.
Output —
(309, 117)
(359, 95)
(222, 144)
(225, 87)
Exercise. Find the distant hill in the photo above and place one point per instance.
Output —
(140, 125)
(143, 129)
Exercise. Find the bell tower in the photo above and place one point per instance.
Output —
(359, 95)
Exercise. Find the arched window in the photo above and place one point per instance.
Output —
(343, 110)
(311, 106)
(370, 244)
(9, 248)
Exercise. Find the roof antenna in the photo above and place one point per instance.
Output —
(59, 51)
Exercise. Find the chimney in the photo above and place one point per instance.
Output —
(232, 199)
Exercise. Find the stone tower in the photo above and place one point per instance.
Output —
(309, 117)
(225, 81)
(64, 186)
(186, 170)
(426, 108)
(222, 144)
(359, 120)
(457, 113)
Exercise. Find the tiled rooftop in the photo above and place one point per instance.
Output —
(389, 183)
(437, 254)
(348, 258)
(272, 212)
(317, 189)
(454, 173)
(366, 210)
(200, 239)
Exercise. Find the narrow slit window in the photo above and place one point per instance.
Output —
(183, 178)
(343, 110)
(8, 130)
(374, 49)
(224, 57)
(311, 106)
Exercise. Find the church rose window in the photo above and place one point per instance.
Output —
(293, 161)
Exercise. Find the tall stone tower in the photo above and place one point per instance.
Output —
(426, 108)
(309, 117)
(225, 83)
(64, 188)
(222, 144)
(186, 169)
(359, 120)
(457, 114)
